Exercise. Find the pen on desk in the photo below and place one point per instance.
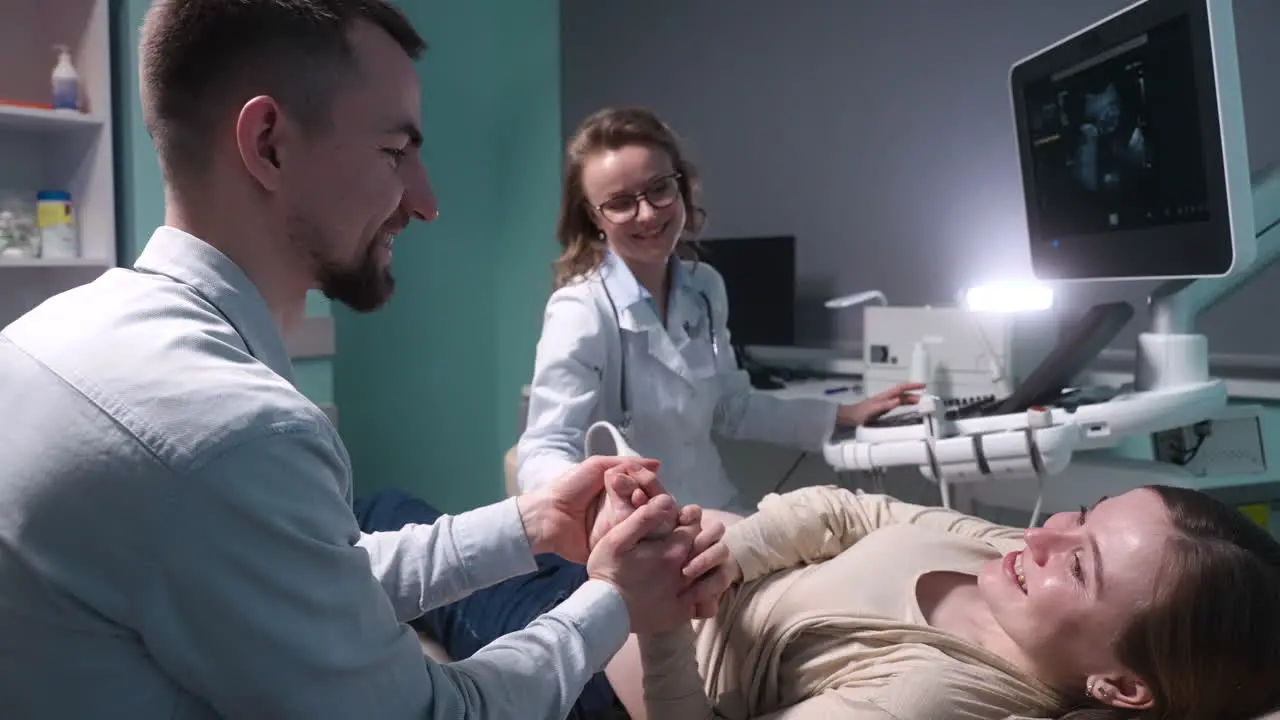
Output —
(838, 390)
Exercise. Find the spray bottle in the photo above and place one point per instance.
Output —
(66, 82)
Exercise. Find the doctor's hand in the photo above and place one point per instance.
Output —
(559, 517)
(646, 570)
(861, 413)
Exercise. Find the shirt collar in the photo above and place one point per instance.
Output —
(197, 264)
(626, 290)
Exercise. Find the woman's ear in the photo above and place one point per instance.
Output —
(1121, 691)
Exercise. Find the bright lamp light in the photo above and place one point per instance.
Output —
(1009, 297)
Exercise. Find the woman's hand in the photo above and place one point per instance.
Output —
(710, 569)
(861, 413)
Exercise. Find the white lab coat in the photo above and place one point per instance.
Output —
(677, 392)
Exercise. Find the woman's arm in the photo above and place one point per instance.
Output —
(817, 523)
(746, 414)
(568, 368)
(672, 684)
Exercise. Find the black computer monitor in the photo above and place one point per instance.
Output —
(760, 280)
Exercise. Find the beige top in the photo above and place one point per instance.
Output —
(827, 624)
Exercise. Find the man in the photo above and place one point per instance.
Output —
(176, 536)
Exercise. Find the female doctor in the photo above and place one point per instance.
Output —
(636, 331)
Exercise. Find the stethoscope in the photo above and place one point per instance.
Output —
(623, 395)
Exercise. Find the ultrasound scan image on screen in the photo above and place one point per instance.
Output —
(1116, 139)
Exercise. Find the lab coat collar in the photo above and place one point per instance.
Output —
(631, 297)
(197, 264)
(639, 314)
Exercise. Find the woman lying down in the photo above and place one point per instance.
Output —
(1158, 603)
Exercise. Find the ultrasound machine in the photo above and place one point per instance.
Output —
(1131, 136)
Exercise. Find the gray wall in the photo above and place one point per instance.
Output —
(879, 132)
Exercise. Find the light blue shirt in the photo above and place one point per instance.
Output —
(176, 534)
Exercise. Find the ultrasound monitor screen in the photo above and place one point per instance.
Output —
(1116, 139)
(1131, 143)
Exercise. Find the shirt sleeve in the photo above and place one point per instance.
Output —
(422, 567)
(817, 523)
(262, 604)
(569, 365)
(744, 413)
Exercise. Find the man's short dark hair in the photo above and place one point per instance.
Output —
(198, 56)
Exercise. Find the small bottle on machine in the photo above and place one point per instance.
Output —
(920, 370)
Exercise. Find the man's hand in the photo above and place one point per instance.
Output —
(559, 517)
(646, 570)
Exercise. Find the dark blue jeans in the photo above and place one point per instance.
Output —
(469, 624)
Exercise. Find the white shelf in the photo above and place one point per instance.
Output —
(45, 149)
(43, 120)
(53, 264)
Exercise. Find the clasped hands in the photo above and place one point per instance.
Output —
(610, 513)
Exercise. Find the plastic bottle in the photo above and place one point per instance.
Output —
(66, 82)
(56, 219)
(920, 372)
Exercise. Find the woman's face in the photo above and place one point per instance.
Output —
(635, 199)
(1066, 598)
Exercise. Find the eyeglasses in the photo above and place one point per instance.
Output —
(660, 193)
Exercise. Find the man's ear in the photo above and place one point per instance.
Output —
(260, 135)
(1123, 691)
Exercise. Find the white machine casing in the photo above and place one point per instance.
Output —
(1041, 443)
(971, 355)
(1172, 388)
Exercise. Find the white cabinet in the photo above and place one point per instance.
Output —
(57, 150)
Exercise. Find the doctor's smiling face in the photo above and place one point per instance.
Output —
(634, 194)
(627, 188)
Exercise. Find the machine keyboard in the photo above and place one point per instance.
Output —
(957, 409)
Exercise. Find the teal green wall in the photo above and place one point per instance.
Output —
(428, 387)
(140, 188)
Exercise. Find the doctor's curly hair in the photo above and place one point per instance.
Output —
(582, 248)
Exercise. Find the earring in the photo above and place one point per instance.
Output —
(601, 235)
